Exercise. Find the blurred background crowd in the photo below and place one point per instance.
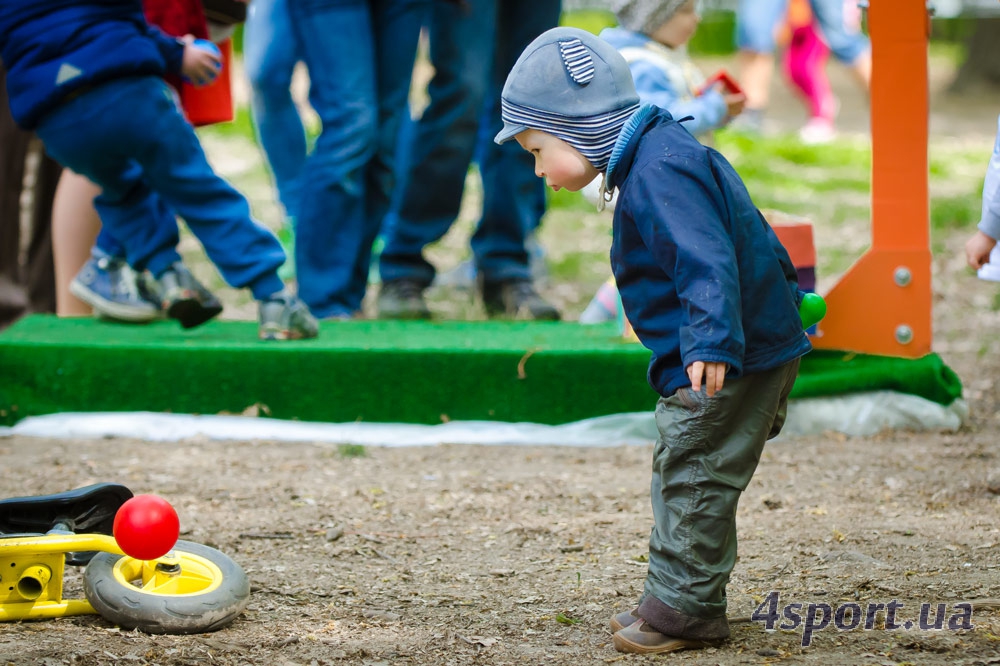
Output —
(373, 123)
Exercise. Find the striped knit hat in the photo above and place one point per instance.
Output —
(574, 86)
(645, 15)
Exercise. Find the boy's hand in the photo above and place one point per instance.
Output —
(714, 373)
(977, 249)
(199, 66)
(734, 104)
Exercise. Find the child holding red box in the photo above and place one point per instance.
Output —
(108, 286)
(653, 37)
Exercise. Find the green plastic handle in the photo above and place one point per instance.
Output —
(812, 310)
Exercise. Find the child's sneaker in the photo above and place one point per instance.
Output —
(109, 285)
(185, 299)
(285, 317)
(817, 131)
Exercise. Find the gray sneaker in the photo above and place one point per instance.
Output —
(185, 299)
(285, 317)
(402, 299)
(114, 290)
(516, 299)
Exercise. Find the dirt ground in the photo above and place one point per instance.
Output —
(520, 555)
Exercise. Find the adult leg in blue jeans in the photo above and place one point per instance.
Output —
(441, 143)
(464, 42)
(513, 197)
(270, 53)
(360, 55)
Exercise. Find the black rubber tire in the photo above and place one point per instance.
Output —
(131, 608)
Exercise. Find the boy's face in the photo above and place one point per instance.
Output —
(681, 27)
(560, 164)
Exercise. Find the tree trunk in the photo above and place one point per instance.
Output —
(981, 69)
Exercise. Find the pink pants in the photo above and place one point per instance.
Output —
(805, 67)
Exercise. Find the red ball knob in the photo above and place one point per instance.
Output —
(146, 527)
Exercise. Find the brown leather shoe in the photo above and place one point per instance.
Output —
(640, 638)
(624, 619)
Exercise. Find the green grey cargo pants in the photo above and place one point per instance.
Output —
(707, 452)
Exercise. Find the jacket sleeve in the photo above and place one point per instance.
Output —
(172, 48)
(708, 112)
(680, 216)
(989, 223)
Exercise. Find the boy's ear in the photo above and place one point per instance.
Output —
(577, 60)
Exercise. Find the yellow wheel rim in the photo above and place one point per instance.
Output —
(176, 574)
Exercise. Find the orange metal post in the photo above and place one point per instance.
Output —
(882, 305)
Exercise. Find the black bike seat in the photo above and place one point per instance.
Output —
(87, 510)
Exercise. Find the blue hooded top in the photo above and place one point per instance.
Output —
(702, 275)
(52, 48)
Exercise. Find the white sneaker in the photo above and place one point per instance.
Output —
(817, 131)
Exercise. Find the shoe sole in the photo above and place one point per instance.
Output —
(405, 316)
(675, 645)
(282, 335)
(617, 626)
(190, 312)
(408, 315)
(111, 310)
(523, 316)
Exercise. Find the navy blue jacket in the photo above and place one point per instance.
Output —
(701, 274)
(51, 48)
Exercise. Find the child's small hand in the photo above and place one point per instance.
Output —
(977, 249)
(734, 104)
(200, 65)
(714, 373)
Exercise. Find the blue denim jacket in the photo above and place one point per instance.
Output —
(701, 274)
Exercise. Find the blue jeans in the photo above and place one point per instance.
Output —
(128, 137)
(472, 49)
(270, 54)
(756, 20)
(360, 55)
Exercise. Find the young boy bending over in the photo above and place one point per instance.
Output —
(87, 76)
(709, 290)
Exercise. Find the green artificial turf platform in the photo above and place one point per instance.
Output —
(379, 371)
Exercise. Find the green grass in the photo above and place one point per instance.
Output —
(591, 20)
(955, 212)
(352, 451)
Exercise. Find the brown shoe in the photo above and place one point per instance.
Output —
(640, 638)
(624, 619)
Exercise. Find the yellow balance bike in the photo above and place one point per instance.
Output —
(191, 589)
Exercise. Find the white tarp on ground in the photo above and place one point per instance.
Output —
(856, 414)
